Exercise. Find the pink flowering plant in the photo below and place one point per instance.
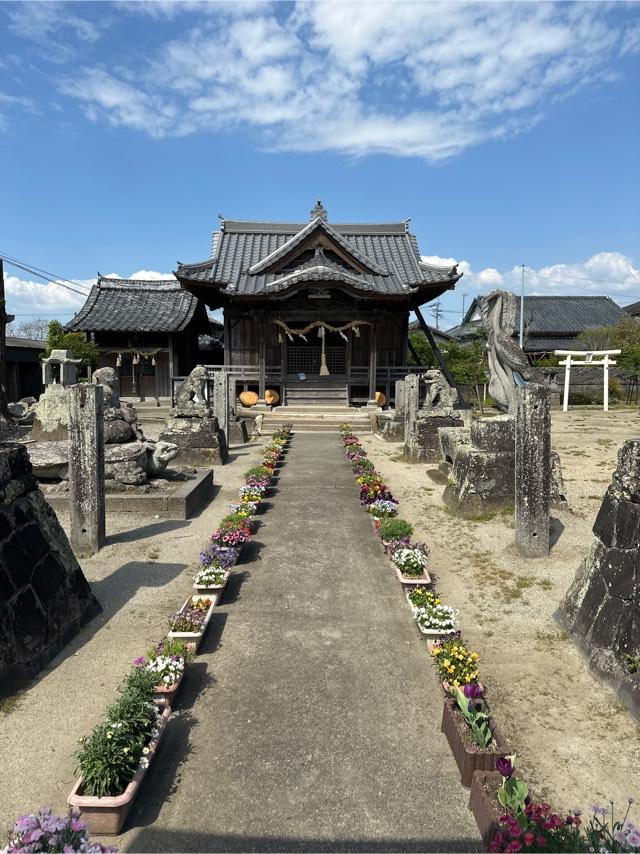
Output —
(538, 828)
(233, 537)
(43, 831)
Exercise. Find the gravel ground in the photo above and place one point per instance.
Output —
(576, 743)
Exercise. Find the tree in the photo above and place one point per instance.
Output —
(58, 339)
(624, 336)
(467, 362)
(35, 329)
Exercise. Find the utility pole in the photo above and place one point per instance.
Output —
(522, 312)
(4, 320)
(437, 311)
(464, 297)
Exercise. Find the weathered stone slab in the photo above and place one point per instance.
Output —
(86, 468)
(532, 470)
(44, 596)
(601, 609)
(390, 428)
(480, 482)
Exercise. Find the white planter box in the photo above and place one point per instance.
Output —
(204, 588)
(196, 637)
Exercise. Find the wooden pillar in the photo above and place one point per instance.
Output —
(227, 339)
(283, 369)
(373, 363)
(262, 365)
(86, 468)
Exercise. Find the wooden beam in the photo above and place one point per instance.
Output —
(439, 357)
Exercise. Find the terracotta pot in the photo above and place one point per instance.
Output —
(484, 804)
(469, 757)
(105, 816)
(166, 694)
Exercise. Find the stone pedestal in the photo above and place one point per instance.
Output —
(44, 596)
(198, 437)
(532, 470)
(602, 607)
(422, 444)
(483, 473)
(390, 427)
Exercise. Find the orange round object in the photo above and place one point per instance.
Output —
(271, 397)
(380, 398)
(248, 398)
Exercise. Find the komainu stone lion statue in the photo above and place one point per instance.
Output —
(191, 392)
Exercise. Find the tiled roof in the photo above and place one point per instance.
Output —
(135, 305)
(26, 343)
(551, 322)
(246, 256)
(633, 309)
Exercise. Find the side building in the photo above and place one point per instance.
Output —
(150, 331)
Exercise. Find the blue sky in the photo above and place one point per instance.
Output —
(508, 132)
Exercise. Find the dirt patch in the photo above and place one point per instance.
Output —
(575, 742)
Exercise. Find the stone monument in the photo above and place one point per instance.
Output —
(423, 422)
(44, 596)
(391, 425)
(533, 470)
(601, 609)
(59, 371)
(192, 427)
(129, 458)
(86, 468)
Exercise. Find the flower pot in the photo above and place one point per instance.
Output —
(210, 589)
(484, 804)
(433, 635)
(469, 757)
(105, 816)
(196, 637)
(166, 694)
(413, 580)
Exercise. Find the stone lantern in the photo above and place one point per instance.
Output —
(60, 368)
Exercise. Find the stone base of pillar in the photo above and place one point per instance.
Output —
(262, 404)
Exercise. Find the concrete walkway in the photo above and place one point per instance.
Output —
(315, 724)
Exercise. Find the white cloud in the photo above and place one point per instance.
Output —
(55, 26)
(603, 274)
(394, 77)
(27, 298)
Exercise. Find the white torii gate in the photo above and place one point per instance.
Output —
(586, 358)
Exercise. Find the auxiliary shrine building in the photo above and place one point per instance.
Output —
(317, 312)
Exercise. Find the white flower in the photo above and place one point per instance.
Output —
(144, 762)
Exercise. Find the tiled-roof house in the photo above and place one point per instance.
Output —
(317, 310)
(148, 330)
(550, 322)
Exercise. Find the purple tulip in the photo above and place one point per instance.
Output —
(504, 766)
(472, 691)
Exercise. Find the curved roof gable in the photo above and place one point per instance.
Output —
(135, 305)
(284, 252)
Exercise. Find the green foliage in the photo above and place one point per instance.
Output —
(624, 336)
(258, 471)
(477, 720)
(109, 757)
(512, 792)
(395, 529)
(467, 362)
(58, 339)
(170, 647)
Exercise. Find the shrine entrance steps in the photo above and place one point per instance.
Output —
(317, 419)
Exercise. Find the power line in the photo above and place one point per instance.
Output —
(43, 274)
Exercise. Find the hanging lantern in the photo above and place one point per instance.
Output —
(357, 331)
(136, 358)
(119, 360)
(153, 360)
